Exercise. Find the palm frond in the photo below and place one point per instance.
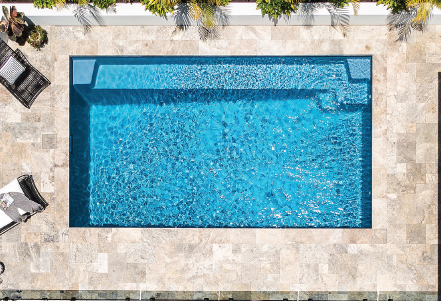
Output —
(214, 2)
(208, 17)
(412, 3)
(83, 2)
(167, 3)
(423, 12)
(195, 11)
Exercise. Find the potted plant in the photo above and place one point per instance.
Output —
(13, 23)
(37, 37)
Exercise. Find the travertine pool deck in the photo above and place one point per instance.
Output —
(399, 253)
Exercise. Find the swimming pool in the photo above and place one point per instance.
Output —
(221, 142)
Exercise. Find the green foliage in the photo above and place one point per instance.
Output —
(103, 4)
(340, 3)
(223, 2)
(44, 3)
(159, 8)
(37, 37)
(395, 5)
(276, 8)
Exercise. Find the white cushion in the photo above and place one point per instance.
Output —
(14, 186)
(11, 70)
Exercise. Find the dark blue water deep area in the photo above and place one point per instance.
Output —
(254, 142)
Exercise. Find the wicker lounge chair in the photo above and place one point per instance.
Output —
(19, 76)
(26, 185)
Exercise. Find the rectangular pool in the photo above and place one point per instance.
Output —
(256, 142)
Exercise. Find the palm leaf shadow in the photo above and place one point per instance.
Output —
(87, 15)
(183, 21)
(339, 16)
(403, 22)
(182, 16)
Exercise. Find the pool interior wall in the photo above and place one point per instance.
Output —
(91, 89)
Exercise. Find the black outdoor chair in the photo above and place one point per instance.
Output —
(29, 84)
(27, 184)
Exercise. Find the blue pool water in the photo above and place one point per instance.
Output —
(221, 142)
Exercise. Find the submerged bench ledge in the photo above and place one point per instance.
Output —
(239, 14)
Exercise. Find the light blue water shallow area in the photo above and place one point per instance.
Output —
(227, 142)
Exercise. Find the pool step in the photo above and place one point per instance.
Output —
(83, 70)
(346, 77)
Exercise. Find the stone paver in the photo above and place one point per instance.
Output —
(399, 253)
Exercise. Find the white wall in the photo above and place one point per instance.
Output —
(239, 14)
